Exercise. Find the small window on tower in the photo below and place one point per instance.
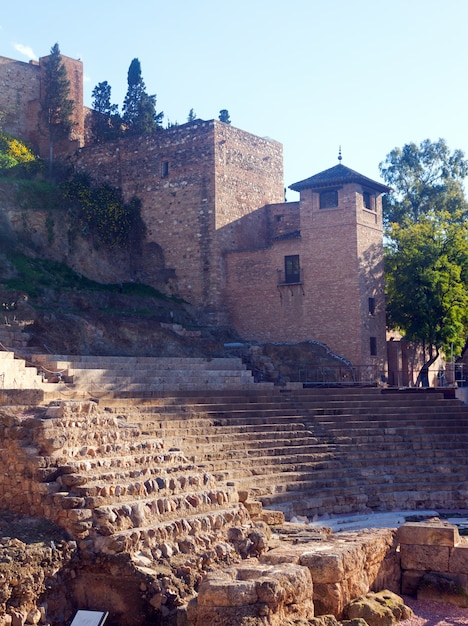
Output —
(373, 346)
(329, 199)
(371, 306)
(367, 200)
(164, 169)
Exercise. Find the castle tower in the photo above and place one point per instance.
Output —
(21, 93)
(342, 257)
(319, 276)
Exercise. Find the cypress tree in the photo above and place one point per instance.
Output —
(56, 107)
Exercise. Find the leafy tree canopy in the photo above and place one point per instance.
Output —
(426, 257)
(102, 213)
(224, 116)
(139, 108)
(424, 179)
(106, 121)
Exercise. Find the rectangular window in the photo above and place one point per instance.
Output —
(328, 199)
(371, 306)
(292, 271)
(164, 169)
(373, 346)
(367, 200)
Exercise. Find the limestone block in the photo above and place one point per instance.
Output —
(326, 565)
(295, 581)
(328, 598)
(254, 507)
(458, 562)
(421, 557)
(282, 555)
(224, 592)
(428, 534)
(78, 515)
(272, 518)
(243, 495)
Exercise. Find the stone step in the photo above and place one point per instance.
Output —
(176, 421)
(143, 510)
(202, 428)
(373, 435)
(381, 495)
(242, 441)
(153, 376)
(318, 406)
(194, 532)
(257, 466)
(95, 361)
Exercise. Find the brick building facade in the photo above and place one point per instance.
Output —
(212, 199)
(319, 273)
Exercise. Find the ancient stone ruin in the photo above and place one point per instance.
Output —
(174, 506)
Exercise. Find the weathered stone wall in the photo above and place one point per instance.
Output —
(52, 234)
(434, 561)
(21, 91)
(196, 182)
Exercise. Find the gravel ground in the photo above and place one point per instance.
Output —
(434, 614)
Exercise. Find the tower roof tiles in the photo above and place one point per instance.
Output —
(338, 175)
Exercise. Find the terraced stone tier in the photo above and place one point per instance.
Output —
(323, 451)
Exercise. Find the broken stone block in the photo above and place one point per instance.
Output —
(435, 533)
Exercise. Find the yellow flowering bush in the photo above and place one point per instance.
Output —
(14, 152)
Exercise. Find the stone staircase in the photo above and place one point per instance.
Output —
(327, 451)
(88, 375)
(157, 467)
(106, 482)
(16, 374)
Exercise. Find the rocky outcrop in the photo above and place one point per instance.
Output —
(378, 609)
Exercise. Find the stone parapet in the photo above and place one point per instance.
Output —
(434, 561)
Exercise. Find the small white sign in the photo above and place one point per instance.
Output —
(89, 618)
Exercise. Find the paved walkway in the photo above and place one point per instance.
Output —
(389, 519)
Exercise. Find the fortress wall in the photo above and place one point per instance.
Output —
(195, 181)
(20, 94)
(19, 90)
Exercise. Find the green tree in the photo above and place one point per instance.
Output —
(424, 179)
(224, 116)
(192, 116)
(139, 108)
(106, 121)
(56, 107)
(426, 256)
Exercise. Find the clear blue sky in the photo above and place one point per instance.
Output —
(367, 75)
